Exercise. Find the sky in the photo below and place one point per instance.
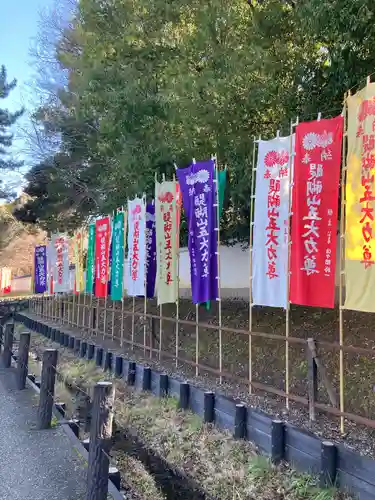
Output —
(18, 28)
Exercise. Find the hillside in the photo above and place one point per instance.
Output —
(17, 242)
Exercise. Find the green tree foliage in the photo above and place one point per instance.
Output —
(7, 120)
(151, 84)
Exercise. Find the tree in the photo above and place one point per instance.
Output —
(153, 83)
(7, 120)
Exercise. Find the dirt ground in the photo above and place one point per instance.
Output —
(268, 355)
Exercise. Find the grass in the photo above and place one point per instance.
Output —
(225, 468)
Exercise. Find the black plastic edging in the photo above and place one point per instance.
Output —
(279, 440)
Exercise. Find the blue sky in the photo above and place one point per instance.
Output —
(19, 25)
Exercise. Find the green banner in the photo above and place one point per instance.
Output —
(222, 182)
(222, 177)
(117, 266)
(90, 260)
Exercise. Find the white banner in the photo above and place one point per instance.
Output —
(136, 247)
(270, 237)
(51, 262)
(60, 265)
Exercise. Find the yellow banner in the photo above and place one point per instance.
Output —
(78, 261)
(360, 202)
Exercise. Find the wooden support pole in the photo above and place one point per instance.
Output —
(312, 382)
(23, 360)
(100, 441)
(8, 345)
(47, 388)
(327, 383)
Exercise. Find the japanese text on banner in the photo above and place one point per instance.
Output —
(78, 261)
(270, 242)
(61, 269)
(167, 235)
(90, 267)
(150, 249)
(360, 202)
(40, 269)
(117, 269)
(103, 233)
(198, 190)
(315, 212)
(136, 246)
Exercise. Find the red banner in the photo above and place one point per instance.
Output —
(102, 235)
(315, 212)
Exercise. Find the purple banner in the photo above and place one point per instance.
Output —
(150, 249)
(198, 196)
(40, 269)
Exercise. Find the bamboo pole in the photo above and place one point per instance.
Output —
(122, 290)
(216, 180)
(73, 309)
(106, 294)
(97, 315)
(69, 309)
(178, 217)
(252, 201)
(133, 322)
(196, 327)
(122, 323)
(84, 311)
(342, 264)
(78, 306)
(145, 285)
(133, 303)
(91, 314)
(151, 326)
(160, 310)
(289, 245)
(113, 301)
(105, 313)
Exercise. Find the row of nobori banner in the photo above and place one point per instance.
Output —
(295, 224)
(303, 172)
(150, 232)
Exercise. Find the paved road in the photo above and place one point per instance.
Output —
(34, 465)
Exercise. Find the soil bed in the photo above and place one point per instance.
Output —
(268, 357)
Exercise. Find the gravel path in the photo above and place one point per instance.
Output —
(34, 465)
